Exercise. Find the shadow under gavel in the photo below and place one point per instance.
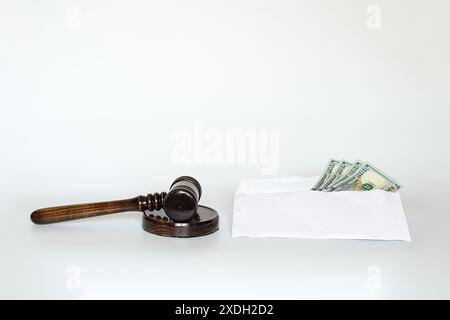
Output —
(183, 216)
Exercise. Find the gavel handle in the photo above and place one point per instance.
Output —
(86, 210)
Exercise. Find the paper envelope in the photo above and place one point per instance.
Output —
(286, 207)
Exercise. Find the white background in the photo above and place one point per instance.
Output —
(91, 93)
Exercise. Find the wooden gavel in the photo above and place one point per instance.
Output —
(183, 216)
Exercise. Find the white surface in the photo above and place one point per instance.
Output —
(286, 207)
(91, 93)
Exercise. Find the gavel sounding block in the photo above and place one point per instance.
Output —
(204, 222)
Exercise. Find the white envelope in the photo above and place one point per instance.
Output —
(286, 207)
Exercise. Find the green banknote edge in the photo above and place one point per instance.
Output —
(328, 170)
(356, 166)
(341, 167)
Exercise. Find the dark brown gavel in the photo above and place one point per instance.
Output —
(180, 204)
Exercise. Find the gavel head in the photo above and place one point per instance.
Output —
(180, 203)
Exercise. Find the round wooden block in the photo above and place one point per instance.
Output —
(205, 222)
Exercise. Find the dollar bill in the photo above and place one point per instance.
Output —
(368, 177)
(351, 171)
(342, 168)
(328, 171)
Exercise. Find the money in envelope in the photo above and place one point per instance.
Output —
(357, 201)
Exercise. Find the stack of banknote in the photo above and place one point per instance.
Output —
(341, 175)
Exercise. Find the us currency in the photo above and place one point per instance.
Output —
(328, 171)
(368, 177)
(341, 169)
(355, 167)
